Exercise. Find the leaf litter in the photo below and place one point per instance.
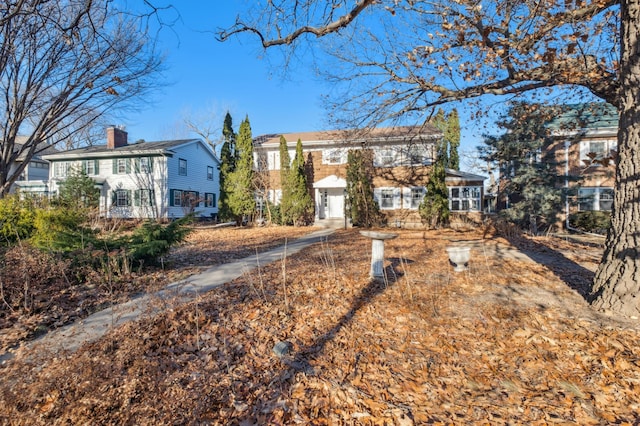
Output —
(508, 341)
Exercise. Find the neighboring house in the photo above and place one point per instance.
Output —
(401, 162)
(580, 135)
(34, 178)
(165, 179)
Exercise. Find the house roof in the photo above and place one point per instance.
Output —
(585, 117)
(377, 135)
(457, 175)
(21, 140)
(138, 148)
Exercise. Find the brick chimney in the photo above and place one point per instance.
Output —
(116, 137)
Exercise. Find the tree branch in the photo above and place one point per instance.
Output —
(318, 31)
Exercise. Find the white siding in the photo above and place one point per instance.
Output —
(198, 158)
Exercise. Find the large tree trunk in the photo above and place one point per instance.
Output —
(617, 281)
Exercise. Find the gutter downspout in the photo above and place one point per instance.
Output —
(567, 144)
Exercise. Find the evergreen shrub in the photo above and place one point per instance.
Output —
(597, 222)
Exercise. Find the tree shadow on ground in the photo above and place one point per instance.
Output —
(574, 275)
(301, 360)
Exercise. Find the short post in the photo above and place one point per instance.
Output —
(377, 251)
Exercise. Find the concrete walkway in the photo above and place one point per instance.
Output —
(92, 328)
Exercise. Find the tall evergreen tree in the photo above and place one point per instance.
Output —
(440, 123)
(434, 209)
(299, 210)
(78, 190)
(227, 166)
(239, 185)
(285, 169)
(452, 136)
(536, 201)
(363, 208)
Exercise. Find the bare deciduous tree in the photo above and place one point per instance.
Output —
(63, 65)
(410, 55)
(206, 124)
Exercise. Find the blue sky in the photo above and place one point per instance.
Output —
(206, 75)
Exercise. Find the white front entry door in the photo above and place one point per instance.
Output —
(334, 203)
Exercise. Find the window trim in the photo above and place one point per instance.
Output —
(334, 156)
(126, 198)
(411, 198)
(209, 200)
(148, 202)
(379, 194)
(595, 198)
(610, 145)
(461, 199)
(144, 165)
(176, 195)
(391, 157)
(93, 164)
(61, 169)
(182, 170)
(209, 172)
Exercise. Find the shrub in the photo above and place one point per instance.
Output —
(152, 240)
(276, 215)
(17, 218)
(61, 229)
(597, 222)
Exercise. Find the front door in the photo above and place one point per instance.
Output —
(334, 206)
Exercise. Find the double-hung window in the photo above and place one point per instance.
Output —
(121, 166)
(333, 156)
(386, 198)
(177, 198)
(209, 199)
(182, 167)
(209, 173)
(122, 198)
(596, 150)
(61, 168)
(144, 197)
(91, 167)
(144, 164)
(385, 157)
(416, 155)
(415, 197)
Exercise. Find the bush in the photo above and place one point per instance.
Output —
(60, 229)
(276, 215)
(152, 240)
(597, 222)
(17, 217)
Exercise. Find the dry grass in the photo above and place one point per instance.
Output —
(507, 342)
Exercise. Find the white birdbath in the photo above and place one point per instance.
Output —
(459, 256)
(377, 251)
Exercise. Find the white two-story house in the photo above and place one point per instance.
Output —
(163, 180)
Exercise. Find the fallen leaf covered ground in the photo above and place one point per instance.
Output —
(509, 341)
(54, 300)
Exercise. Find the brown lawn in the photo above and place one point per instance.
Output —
(507, 342)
